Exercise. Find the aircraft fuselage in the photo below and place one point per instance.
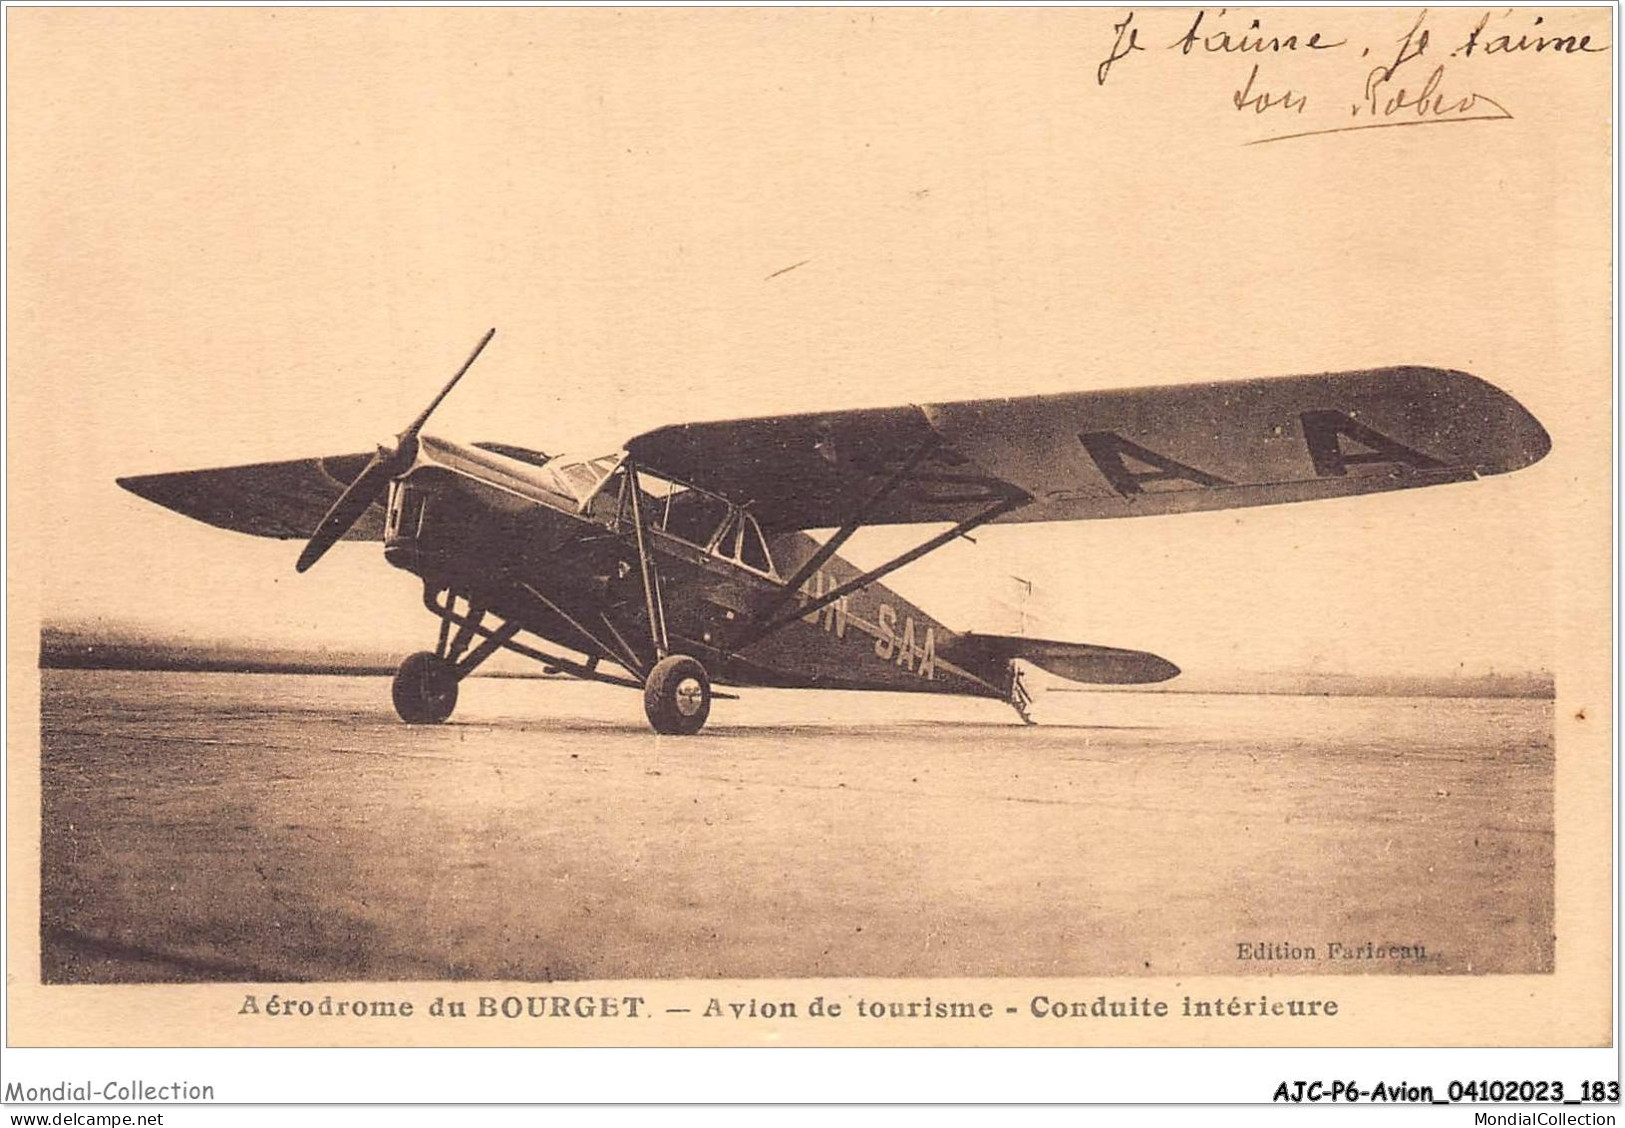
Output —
(566, 569)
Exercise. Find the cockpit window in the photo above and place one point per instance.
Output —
(576, 477)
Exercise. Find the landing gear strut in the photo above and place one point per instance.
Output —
(425, 689)
(676, 691)
(677, 695)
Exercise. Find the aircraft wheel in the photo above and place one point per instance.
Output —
(677, 696)
(425, 689)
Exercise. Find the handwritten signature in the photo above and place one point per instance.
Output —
(1385, 104)
(1387, 98)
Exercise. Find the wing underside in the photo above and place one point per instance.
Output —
(1068, 457)
(1126, 453)
(285, 500)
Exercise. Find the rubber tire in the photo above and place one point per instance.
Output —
(667, 708)
(425, 689)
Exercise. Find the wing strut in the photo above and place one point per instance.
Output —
(852, 524)
(996, 510)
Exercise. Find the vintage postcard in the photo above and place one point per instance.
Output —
(741, 527)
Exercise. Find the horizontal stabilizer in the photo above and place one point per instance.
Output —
(1075, 661)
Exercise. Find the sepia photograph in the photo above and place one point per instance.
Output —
(1022, 526)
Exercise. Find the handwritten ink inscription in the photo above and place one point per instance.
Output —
(1384, 98)
(1261, 100)
(1252, 39)
(1530, 41)
(1409, 85)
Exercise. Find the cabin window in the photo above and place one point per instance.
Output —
(681, 511)
(702, 519)
(694, 516)
(743, 543)
(727, 538)
(752, 550)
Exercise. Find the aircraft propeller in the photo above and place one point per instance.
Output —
(391, 460)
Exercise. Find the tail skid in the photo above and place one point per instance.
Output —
(1021, 698)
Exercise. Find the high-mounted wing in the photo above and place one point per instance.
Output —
(286, 500)
(1126, 453)
(267, 499)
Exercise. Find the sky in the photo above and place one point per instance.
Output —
(242, 235)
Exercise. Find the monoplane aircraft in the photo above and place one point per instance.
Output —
(683, 559)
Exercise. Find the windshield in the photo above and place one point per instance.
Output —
(575, 476)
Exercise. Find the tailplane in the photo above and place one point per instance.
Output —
(1074, 661)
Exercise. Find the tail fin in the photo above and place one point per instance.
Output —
(1075, 661)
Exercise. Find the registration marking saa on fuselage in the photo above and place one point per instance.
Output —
(904, 651)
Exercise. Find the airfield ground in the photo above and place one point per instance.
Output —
(231, 827)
